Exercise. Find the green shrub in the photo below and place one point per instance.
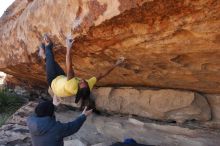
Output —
(9, 103)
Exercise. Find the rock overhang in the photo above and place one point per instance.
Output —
(167, 44)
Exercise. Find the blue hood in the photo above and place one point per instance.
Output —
(40, 125)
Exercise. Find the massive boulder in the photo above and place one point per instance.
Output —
(214, 102)
(162, 104)
(168, 44)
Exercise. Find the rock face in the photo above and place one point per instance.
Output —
(170, 44)
(100, 131)
(155, 104)
(214, 102)
(15, 131)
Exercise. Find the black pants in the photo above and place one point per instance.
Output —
(53, 69)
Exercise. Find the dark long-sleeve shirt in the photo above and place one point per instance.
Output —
(46, 131)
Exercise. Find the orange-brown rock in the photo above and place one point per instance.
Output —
(167, 44)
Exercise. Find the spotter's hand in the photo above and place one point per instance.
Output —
(87, 113)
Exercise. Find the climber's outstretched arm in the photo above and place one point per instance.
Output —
(69, 68)
(118, 62)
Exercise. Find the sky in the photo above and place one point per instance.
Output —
(4, 4)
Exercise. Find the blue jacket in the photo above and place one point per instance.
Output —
(46, 131)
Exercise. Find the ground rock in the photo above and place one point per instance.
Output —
(15, 131)
(110, 129)
(135, 121)
(167, 44)
(75, 142)
(99, 144)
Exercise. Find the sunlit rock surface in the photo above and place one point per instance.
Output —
(167, 44)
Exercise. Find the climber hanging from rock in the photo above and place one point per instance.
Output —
(67, 85)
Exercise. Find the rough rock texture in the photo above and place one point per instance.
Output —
(156, 104)
(214, 102)
(169, 44)
(101, 130)
(15, 131)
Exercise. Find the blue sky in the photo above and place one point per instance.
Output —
(4, 4)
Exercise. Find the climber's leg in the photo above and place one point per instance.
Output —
(52, 67)
(59, 69)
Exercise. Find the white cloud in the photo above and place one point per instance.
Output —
(4, 4)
